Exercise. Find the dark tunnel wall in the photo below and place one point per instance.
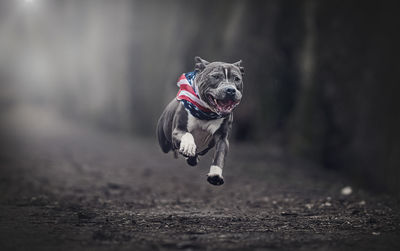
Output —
(320, 76)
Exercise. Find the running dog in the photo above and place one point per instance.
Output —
(200, 117)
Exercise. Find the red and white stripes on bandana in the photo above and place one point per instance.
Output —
(189, 96)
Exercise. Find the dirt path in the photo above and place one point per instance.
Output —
(67, 188)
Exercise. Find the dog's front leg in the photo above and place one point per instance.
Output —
(184, 141)
(215, 174)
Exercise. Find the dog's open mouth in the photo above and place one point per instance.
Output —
(224, 106)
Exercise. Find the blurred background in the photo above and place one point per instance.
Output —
(322, 78)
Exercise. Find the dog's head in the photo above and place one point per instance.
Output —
(220, 84)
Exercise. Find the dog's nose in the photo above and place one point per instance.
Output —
(230, 92)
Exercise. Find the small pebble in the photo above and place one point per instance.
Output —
(309, 206)
(265, 199)
(346, 190)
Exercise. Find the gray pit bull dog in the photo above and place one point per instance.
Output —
(200, 117)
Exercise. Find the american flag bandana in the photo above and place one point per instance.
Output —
(189, 97)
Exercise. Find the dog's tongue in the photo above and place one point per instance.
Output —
(225, 106)
(225, 103)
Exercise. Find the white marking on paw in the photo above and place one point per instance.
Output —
(188, 147)
(215, 170)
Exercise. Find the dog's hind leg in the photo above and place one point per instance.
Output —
(162, 139)
(192, 161)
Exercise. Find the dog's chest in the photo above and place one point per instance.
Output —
(203, 130)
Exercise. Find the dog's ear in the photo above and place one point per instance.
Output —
(241, 68)
(200, 63)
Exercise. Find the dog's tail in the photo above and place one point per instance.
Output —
(162, 139)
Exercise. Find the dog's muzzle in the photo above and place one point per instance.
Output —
(224, 100)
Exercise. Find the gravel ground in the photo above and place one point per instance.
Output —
(64, 187)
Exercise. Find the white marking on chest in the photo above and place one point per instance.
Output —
(202, 130)
(210, 126)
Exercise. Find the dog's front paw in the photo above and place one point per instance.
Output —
(214, 177)
(187, 147)
(215, 180)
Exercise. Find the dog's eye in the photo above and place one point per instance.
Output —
(236, 79)
(215, 77)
